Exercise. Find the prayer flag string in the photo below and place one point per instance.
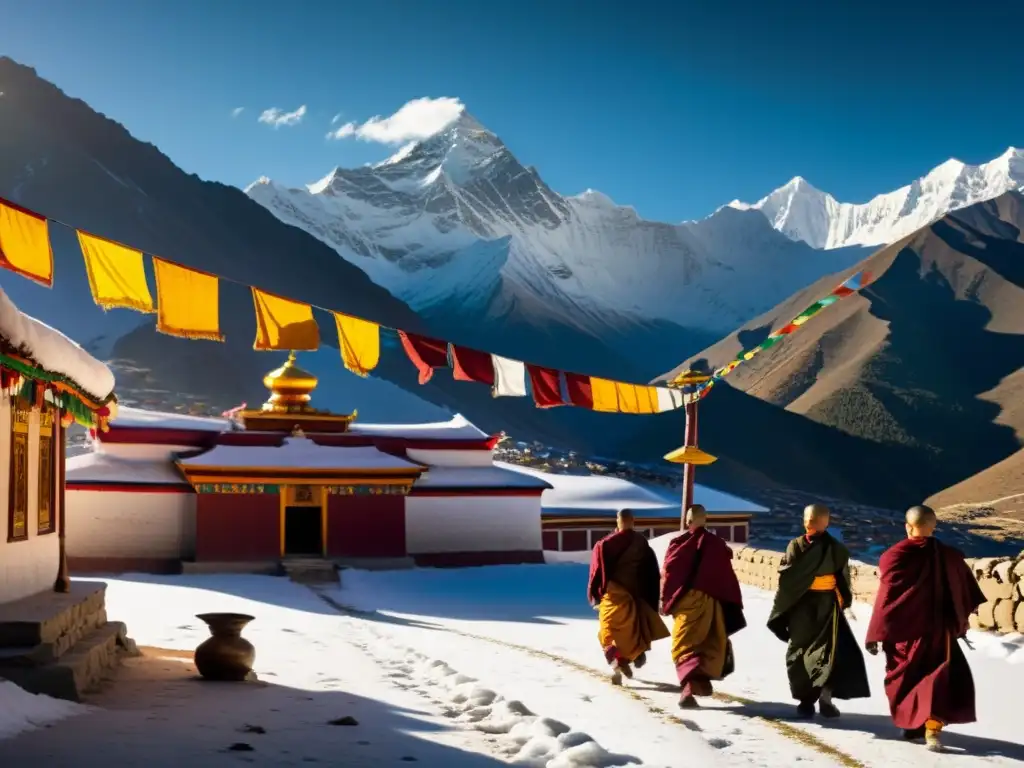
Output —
(188, 306)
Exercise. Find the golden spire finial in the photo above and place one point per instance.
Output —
(290, 388)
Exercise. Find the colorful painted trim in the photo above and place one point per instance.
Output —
(64, 393)
(256, 489)
(368, 490)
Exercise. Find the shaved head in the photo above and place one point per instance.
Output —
(624, 519)
(816, 518)
(921, 521)
(696, 517)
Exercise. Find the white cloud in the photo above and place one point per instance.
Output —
(275, 117)
(343, 132)
(416, 120)
(237, 111)
(336, 118)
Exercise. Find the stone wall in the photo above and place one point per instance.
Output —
(1000, 578)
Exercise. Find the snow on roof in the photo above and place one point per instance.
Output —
(140, 417)
(459, 428)
(104, 468)
(53, 351)
(297, 453)
(477, 477)
(603, 495)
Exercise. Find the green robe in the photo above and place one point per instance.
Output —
(822, 651)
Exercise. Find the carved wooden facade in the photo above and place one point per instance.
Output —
(17, 502)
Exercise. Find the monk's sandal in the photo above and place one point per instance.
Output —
(688, 702)
(931, 741)
(616, 678)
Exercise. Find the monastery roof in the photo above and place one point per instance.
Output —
(297, 453)
(104, 468)
(52, 351)
(477, 477)
(140, 417)
(590, 495)
(458, 428)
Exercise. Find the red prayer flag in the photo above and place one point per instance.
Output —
(472, 365)
(425, 353)
(580, 393)
(547, 386)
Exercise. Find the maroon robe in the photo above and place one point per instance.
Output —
(701, 560)
(925, 597)
(606, 553)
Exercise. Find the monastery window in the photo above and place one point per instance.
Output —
(47, 468)
(17, 502)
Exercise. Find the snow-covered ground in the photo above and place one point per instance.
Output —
(477, 667)
(21, 711)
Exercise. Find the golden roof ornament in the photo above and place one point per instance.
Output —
(290, 388)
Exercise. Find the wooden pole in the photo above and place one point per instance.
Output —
(689, 439)
(63, 582)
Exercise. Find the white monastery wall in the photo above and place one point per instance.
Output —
(450, 458)
(26, 567)
(435, 524)
(140, 451)
(131, 524)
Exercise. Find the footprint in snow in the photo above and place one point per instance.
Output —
(720, 743)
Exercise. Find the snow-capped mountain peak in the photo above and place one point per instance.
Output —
(456, 220)
(802, 212)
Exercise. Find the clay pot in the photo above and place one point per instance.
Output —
(226, 655)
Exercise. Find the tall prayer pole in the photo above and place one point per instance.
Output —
(689, 441)
(690, 456)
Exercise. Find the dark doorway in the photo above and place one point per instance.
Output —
(303, 534)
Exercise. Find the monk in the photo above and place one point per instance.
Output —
(624, 590)
(699, 589)
(925, 597)
(823, 659)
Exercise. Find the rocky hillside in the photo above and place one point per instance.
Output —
(926, 361)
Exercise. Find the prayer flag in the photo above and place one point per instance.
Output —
(669, 399)
(116, 273)
(546, 385)
(636, 399)
(578, 389)
(471, 365)
(25, 244)
(425, 353)
(605, 396)
(509, 377)
(283, 324)
(359, 341)
(188, 302)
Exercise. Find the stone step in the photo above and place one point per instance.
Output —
(310, 571)
(53, 619)
(77, 671)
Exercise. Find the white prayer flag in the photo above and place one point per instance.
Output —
(669, 399)
(509, 377)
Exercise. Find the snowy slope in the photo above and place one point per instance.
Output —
(533, 624)
(802, 212)
(456, 219)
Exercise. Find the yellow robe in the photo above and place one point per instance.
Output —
(699, 631)
(630, 625)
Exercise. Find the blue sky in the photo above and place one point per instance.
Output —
(673, 107)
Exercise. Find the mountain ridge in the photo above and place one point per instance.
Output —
(803, 212)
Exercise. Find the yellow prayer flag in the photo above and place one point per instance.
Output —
(360, 343)
(283, 323)
(636, 399)
(117, 275)
(604, 394)
(188, 302)
(25, 244)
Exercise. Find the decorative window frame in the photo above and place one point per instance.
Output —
(46, 519)
(17, 500)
